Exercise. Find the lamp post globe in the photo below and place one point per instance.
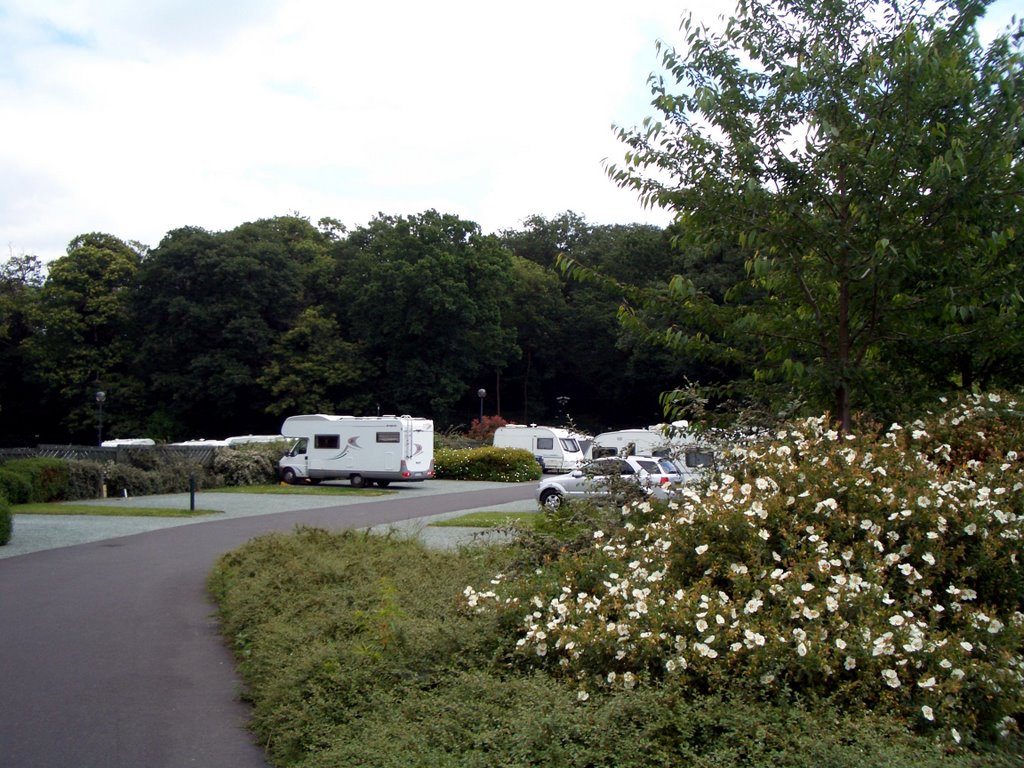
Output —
(101, 397)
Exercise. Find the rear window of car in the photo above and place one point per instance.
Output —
(668, 467)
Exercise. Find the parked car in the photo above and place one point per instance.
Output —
(598, 477)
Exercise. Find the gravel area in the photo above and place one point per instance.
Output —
(33, 533)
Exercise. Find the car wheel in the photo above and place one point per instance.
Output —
(357, 481)
(288, 475)
(551, 499)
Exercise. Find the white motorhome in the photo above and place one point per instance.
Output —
(672, 441)
(556, 449)
(363, 449)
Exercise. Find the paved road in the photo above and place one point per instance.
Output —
(109, 652)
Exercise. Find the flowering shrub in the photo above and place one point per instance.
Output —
(882, 570)
(502, 465)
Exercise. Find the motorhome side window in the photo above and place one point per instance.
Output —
(569, 444)
(545, 443)
(326, 441)
(389, 437)
(700, 459)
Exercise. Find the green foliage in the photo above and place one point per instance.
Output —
(16, 487)
(503, 465)
(369, 625)
(866, 159)
(6, 520)
(876, 570)
(314, 369)
(169, 477)
(426, 294)
(44, 479)
(208, 314)
(250, 464)
(82, 309)
(393, 674)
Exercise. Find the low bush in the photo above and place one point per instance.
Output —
(47, 479)
(504, 465)
(85, 479)
(16, 487)
(393, 673)
(170, 477)
(6, 521)
(249, 464)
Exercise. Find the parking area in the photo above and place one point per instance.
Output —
(34, 533)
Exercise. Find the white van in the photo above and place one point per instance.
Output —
(554, 448)
(363, 449)
(672, 441)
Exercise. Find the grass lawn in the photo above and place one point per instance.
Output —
(490, 520)
(107, 510)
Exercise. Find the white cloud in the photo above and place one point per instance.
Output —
(136, 120)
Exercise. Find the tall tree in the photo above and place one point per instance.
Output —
(863, 153)
(21, 278)
(425, 296)
(209, 311)
(80, 343)
(313, 369)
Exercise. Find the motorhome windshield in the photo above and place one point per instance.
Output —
(569, 444)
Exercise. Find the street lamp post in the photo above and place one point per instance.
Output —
(563, 400)
(481, 393)
(101, 396)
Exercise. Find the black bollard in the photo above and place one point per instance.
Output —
(192, 493)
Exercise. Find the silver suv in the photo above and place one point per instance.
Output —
(596, 478)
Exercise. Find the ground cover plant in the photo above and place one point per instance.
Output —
(829, 599)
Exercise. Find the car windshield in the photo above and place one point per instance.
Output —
(668, 467)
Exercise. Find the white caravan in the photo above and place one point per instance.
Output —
(554, 448)
(363, 449)
(674, 442)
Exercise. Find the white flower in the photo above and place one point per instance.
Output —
(891, 678)
(897, 620)
(955, 734)
(929, 558)
(582, 695)
(927, 712)
(701, 549)
(929, 683)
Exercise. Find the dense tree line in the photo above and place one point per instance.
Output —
(216, 333)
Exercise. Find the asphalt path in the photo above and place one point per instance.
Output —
(110, 655)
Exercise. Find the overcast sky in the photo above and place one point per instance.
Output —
(136, 118)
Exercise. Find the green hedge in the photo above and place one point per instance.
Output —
(504, 465)
(46, 479)
(6, 521)
(16, 487)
